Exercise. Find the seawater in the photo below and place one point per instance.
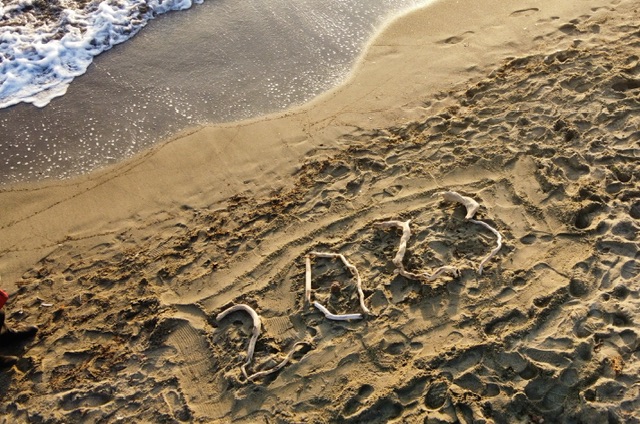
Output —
(68, 109)
(45, 44)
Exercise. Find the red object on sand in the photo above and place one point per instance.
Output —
(3, 298)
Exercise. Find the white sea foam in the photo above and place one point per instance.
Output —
(226, 61)
(45, 44)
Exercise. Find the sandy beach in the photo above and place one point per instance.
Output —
(532, 110)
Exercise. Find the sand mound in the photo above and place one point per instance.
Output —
(548, 144)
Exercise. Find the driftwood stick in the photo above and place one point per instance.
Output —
(495, 250)
(402, 250)
(329, 315)
(404, 239)
(470, 204)
(255, 332)
(307, 284)
(355, 272)
(352, 269)
(284, 362)
(429, 277)
(442, 270)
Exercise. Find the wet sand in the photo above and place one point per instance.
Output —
(220, 61)
(532, 112)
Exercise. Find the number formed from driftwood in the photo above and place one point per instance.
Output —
(402, 250)
(255, 333)
(472, 207)
(495, 250)
(354, 272)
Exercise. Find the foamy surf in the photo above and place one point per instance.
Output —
(222, 61)
(44, 45)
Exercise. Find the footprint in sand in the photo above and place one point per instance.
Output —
(630, 269)
(355, 404)
(177, 405)
(456, 39)
(396, 343)
(623, 83)
(588, 215)
(634, 210)
(86, 400)
(436, 394)
(524, 12)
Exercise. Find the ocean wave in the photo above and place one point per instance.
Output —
(45, 44)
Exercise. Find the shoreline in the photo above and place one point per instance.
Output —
(202, 71)
(369, 98)
(450, 74)
(127, 271)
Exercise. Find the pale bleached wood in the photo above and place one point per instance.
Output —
(402, 250)
(307, 277)
(255, 332)
(496, 249)
(404, 239)
(285, 361)
(470, 204)
(352, 269)
(472, 207)
(332, 316)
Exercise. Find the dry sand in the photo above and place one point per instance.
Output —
(533, 111)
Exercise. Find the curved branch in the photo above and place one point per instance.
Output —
(350, 267)
(453, 271)
(496, 249)
(329, 315)
(255, 332)
(404, 239)
(470, 204)
(402, 250)
(284, 362)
